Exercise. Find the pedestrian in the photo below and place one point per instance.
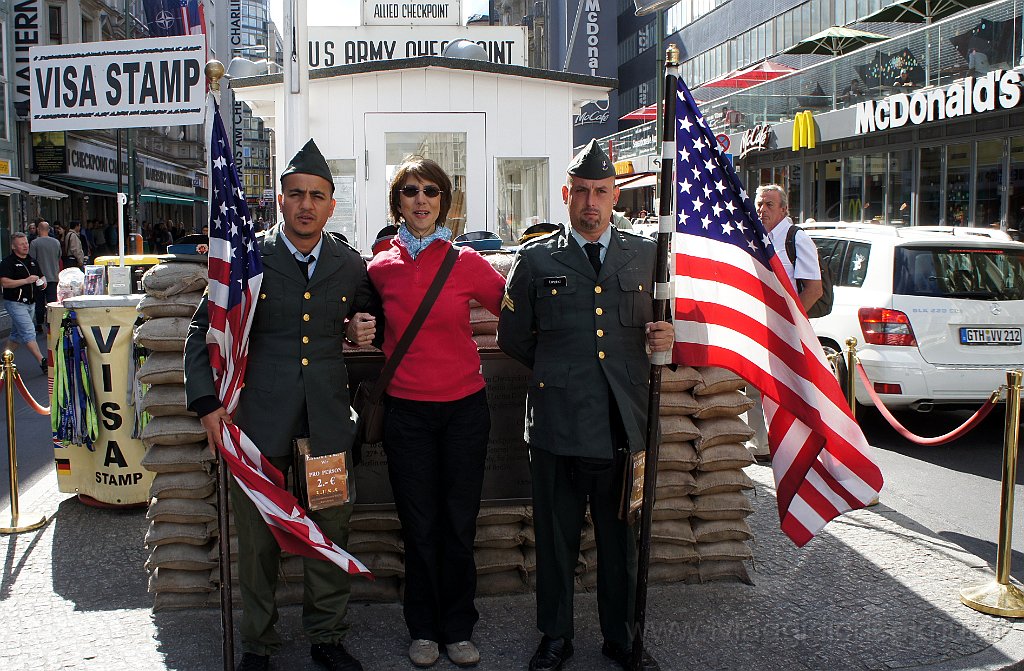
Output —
(32, 230)
(312, 282)
(578, 311)
(46, 251)
(74, 253)
(21, 277)
(772, 205)
(99, 238)
(437, 420)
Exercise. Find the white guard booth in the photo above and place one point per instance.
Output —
(503, 132)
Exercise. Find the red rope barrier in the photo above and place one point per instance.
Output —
(974, 420)
(32, 403)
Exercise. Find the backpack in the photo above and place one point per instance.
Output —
(823, 305)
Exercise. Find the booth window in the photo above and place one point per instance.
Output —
(449, 151)
(343, 221)
(522, 195)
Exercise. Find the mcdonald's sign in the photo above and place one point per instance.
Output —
(804, 131)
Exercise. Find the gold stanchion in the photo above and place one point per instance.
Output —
(851, 374)
(19, 521)
(1000, 597)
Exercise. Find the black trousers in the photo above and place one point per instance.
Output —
(42, 298)
(436, 453)
(562, 489)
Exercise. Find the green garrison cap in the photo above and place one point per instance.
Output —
(309, 161)
(591, 163)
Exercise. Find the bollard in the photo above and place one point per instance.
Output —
(1000, 597)
(19, 521)
(851, 374)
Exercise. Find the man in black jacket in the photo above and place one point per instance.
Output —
(21, 278)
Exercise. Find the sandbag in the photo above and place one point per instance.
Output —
(384, 564)
(178, 458)
(180, 581)
(714, 380)
(171, 279)
(731, 569)
(374, 520)
(671, 572)
(679, 456)
(678, 403)
(710, 531)
(173, 431)
(723, 550)
(502, 515)
(506, 582)
(182, 511)
(500, 261)
(180, 556)
(180, 305)
(163, 368)
(676, 508)
(498, 536)
(730, 456)
(164, 334)
(724, 404)
(724, 506)
(380, 590)
(163, 601)
(719, 430)
(166, 400)
(190, 485)
(727, 480)
(498, 560)
(673, 483)
(672, 531)
(677, 428)
(672, 553)
(361, 541)
(486, 341)
(161, 533)
(683, 378)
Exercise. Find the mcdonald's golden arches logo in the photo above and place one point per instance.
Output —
(804, 131)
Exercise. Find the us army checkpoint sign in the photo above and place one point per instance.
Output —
(127, 84)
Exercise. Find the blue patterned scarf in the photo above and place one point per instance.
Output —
(416, 245)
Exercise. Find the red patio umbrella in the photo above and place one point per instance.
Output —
(648, 113)
(753, 74)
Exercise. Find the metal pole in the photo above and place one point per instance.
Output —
(851, 374)
(662, 294)
(1000, 597)
(19, 521)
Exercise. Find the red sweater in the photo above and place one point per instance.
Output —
(442, 363)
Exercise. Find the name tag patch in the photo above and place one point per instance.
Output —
(555, 281)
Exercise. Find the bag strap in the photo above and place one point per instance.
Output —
(791, 244)
(405, 341)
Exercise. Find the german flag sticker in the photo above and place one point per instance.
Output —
(63, 465)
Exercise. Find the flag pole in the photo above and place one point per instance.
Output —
(214, 72)
(662, 294)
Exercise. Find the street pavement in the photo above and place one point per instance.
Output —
(875, 590)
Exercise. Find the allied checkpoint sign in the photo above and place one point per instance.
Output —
(125, 84)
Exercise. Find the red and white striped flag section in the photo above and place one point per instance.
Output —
(736, 308)
(236, 272)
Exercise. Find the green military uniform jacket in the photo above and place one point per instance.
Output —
(583, 336)
(295, 360)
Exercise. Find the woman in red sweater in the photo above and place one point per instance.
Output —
(437, 421)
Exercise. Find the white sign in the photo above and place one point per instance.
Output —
(344, 45)
(406, 12)
(99, 162)
(126, 84)
(996, 90)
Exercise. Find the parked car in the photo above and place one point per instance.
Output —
(937, 315)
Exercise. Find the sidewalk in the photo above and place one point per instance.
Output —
(874, 591)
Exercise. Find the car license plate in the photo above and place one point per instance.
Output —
(989, 336)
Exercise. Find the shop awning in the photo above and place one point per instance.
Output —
(84, 185)
(171, 197)
(146, 196)
(639, 181)
(6, 190)
(31, 189)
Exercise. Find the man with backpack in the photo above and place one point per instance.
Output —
(804, 272)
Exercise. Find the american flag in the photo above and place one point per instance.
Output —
(192, 17)
(236, 273)
(736, 308)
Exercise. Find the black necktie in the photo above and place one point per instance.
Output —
(593, 250)
(304, 265)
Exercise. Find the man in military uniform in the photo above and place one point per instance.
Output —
(578, 311)
(295, 386)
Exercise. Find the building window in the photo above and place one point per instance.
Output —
(55, 14)
(522, 193)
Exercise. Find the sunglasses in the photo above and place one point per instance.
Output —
(413, 191)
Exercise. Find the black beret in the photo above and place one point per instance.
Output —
(309, 161)
(591, 163)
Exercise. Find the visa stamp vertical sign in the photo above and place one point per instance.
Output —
(125, 84)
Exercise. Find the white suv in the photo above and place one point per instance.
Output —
(937, 315)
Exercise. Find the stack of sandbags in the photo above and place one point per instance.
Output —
(484, 324)
(502, 535)
(182, 511)
(375, 538)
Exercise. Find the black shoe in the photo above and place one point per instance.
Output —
(253, 662)
(334, 657)
(551, 654)
(621, 656)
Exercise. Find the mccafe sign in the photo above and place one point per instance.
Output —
(998, 89)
